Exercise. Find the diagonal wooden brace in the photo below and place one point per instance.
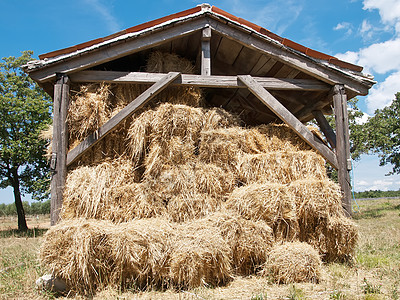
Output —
(127, 111)
(286, 116)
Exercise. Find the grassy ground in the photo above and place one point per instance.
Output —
(375, 273)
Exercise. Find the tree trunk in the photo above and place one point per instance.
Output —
(18, 202)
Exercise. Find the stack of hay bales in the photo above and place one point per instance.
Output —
(182, 195)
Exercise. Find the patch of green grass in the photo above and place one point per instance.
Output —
(31, 233)
(19, 267)
(261, 296)
(295, 293)
(337, 295)
(369, 288)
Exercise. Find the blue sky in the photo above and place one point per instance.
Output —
(365, 32)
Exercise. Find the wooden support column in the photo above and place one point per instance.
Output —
(93, 138)
(342, 145)
(58, 161)
(206, 52)
(286, 116)
(325, 127)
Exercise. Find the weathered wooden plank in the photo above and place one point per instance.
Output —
(286, 116)
(339, 98)
(59, 147)
(206, 52)
(293, 59)
(228, 50)
(325, 127)
(127, 111)
(129, 46)
(198, 80)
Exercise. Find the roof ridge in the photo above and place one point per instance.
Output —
(206, 9)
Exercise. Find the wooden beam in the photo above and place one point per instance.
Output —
(206, 52)
(325, 127)
(59, 148)
(342, 145)
(127, 111)
(106, 53)
(199, 80)
(286, 116)
(295, 60)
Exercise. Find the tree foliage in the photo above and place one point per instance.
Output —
(383, 134)
(25, 111)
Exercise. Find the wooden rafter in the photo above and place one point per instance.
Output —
(288, 57)
(286, 116)
(127, 111)
(128, 46)
(325, 127)
(199, 80)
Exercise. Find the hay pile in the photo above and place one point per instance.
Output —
(182, 195)
(293, 262)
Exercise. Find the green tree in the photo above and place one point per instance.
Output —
(384, 134)
(25, 111)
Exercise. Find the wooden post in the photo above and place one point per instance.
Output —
(60, 144)
(206, 52)
(342, 145)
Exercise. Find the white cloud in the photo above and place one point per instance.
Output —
(105, 12)
(383, 93)
(362, 183)
(362, 119)
(383, 185)
(389, 10)
(381, 57)
(344, 26)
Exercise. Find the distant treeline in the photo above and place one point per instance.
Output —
(376, 194)
(35, 208)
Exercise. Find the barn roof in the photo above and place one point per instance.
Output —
(237, 47)
(198, 10)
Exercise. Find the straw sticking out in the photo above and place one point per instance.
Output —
(293, 262)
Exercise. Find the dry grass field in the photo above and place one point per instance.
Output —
(375, 273)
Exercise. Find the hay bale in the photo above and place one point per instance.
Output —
(169, 180)
(141, 253)
(224, 146)
(89, 189)
(90, 254)
(138, 137)
(293, 262)
(183, 207)
(158, 128)
(315, 200)
(217, 117)
(335, 238)
(162, 62)
(213, 180)
(269, 202)
(250, 241)
(281, 167)
(78, 251)
(280, 137)
(159, 62)
(171, 152)
(200, 256)
(88, 110)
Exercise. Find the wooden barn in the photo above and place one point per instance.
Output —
(240, 66)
